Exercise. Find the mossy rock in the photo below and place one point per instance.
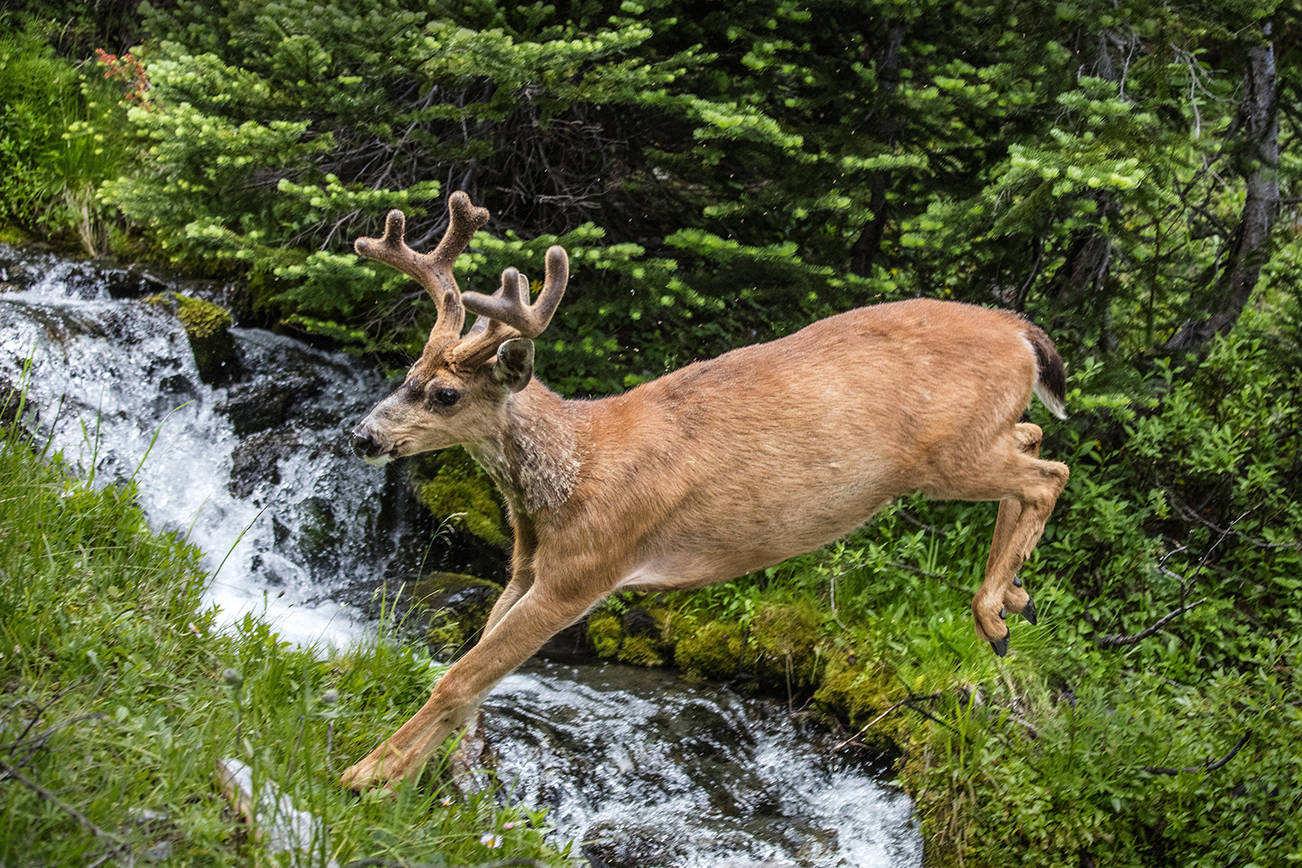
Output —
(202, 319)
(713, 650)
(605, 633)
(634, 635)
(859, 693)
(641, 651)
(452, 607)
(787, 639)
(318, 530)
(10, 234)
(207, 325)
(460, 493)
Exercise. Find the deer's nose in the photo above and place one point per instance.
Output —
(365, 445)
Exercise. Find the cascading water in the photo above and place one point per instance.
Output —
(680, 778)
(636, 767)
(283, 514)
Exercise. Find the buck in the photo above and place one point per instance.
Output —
(710, 472)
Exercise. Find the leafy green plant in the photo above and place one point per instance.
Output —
(60, 138)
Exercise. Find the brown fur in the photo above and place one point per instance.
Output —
(730, 465)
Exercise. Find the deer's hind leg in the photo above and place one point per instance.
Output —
(1027, 489)
(1016, 598)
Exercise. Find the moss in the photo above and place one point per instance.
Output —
(452, 607)
(605, 632)
(711, 651)
(10, 234)
(629, 632)
(207, 325)
(460, 493)
(640, 651)
(859, 693)
(787, 637)
(201, 319)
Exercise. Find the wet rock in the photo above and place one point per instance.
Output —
(27, 268)
(255, 461)
(317, 528)
(207, 326)
(131, 281)
(571, 645)
(453, 607)
(267, 402)
(613, 844)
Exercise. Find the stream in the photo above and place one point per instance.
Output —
(254, 467)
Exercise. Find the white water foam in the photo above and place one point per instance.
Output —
(119, 395)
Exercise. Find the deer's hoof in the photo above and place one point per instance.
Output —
(1017, 581)
(1028, 611)
(1000, 646)
(380, 770)
(360, 777)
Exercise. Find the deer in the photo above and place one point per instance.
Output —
(718, 469)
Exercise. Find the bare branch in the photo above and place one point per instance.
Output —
(8, 771)
(1209, 766)
(1117, 639)
(908, 700)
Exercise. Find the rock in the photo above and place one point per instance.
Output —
(255, 460)
(638, 621)
(571, 645)
(207, 325)
(267, 402)
(458, 593)
(131, 281)
(611, 844)
(453, 608)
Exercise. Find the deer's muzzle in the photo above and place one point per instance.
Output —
(366, 446)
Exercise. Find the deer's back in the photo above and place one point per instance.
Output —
(780, 447)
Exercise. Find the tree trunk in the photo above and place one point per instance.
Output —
(1079, 287)
(886, 129)
(1258, 163)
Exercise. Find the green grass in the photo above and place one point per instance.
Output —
(116, 702)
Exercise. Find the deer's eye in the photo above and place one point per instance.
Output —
(446, 397)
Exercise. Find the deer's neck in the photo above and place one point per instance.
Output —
(534, 458)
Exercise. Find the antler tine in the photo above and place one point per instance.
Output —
(514, 283)
(510, 307)
(433, 271)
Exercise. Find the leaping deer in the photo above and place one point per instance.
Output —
(715, 470)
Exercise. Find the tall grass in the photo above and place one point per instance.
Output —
(60, 138)
(118, 697)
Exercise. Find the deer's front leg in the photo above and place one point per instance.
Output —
(522, 630)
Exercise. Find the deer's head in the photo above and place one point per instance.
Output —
(457, 390)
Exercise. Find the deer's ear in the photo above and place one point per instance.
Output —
(514, 368)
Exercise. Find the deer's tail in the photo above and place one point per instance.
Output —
(1050, 374)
